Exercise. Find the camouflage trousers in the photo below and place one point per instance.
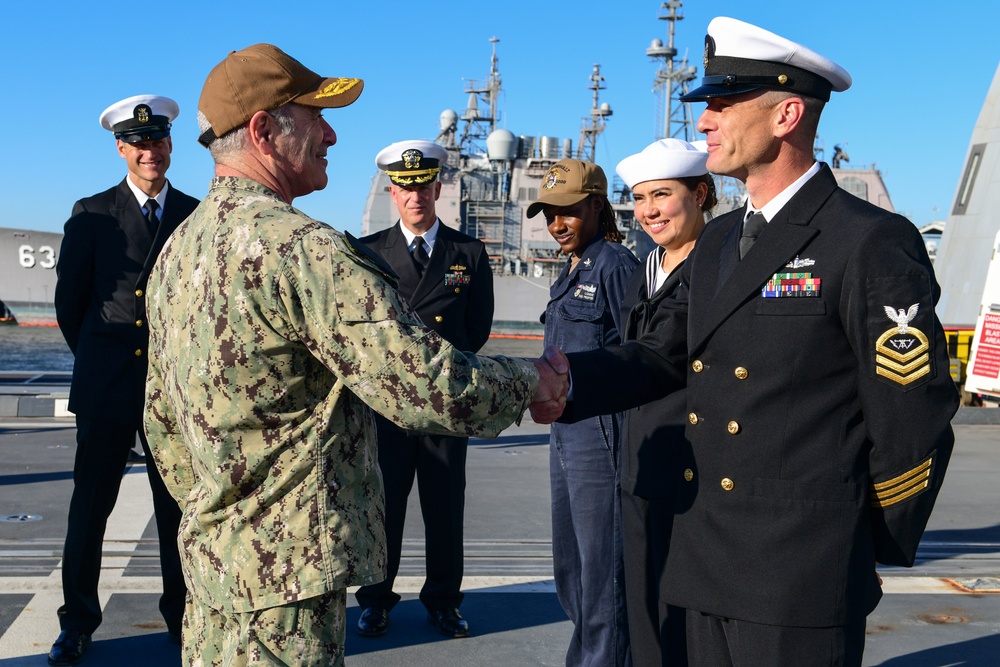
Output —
(304, 633)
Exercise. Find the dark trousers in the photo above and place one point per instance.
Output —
(587, 558)
(102, 451)
(655, 629)
(438, 463)
(722, 642)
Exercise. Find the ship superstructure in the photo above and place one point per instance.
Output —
(492, 176)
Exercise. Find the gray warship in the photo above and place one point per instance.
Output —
(28, 276)
(493, 175)
(490, 179)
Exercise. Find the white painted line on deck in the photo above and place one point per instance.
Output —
(37, 626)
(481, 584)
(915, 585)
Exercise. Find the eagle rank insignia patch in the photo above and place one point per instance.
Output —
(902, 353)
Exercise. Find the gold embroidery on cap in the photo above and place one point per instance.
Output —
(901, 352)
(338, 87)
(411, 177)
(898, 489)
(142, 113)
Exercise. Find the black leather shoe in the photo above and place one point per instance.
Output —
(69, 648)
(374, 622)
(448, 622)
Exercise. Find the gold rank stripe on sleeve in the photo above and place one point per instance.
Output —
(904, 374)
(898, 489)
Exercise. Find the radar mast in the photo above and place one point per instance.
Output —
(594, 125)
(673, 117)
(478, 125)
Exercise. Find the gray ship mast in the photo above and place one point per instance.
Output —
(479, 126)
(673, 117)
(594, 125)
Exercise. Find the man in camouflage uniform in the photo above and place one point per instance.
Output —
(273, 337)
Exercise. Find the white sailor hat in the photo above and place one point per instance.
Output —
(140, 118)
(740, 58)
(663, 159)
(412, 162)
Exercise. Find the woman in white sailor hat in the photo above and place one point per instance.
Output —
(673, 194)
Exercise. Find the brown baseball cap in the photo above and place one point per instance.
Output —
(568, 182)
(262, 77)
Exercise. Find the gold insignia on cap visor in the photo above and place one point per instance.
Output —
(901, 353)
(338, 87)
(411, 158)
(142, 113)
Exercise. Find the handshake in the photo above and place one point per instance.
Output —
(550, 400)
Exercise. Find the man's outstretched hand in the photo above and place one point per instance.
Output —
(549, 402)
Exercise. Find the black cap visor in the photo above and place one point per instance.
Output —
(132, 131)
(706, 92)
(145, 134)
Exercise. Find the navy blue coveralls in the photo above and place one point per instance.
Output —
(584, 314)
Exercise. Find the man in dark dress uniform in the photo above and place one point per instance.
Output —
(445, 275)
(109, 246)
(818, 394)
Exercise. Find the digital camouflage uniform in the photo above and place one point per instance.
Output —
(271, 341)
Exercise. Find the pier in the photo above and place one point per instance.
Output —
(944, 611)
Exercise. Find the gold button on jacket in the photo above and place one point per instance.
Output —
(741, 373)
(693, 418)
(727, 484)
(688, 474)
(138, 292)
(697, 366)
(138, 353)
(733, 427)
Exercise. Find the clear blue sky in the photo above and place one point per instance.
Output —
(921, 72)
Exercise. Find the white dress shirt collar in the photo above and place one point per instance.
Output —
(429, 236)
(142, 197)
(772, 207)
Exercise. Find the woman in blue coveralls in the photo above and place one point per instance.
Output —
(673, 192)
(583, 314)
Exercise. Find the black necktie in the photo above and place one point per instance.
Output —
(420, 255)
(151, 207)
(751, 230)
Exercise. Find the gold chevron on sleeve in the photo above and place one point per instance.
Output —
(898, 489)
(902, 356)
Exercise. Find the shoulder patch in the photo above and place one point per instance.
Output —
(368, 257)
(901, 329)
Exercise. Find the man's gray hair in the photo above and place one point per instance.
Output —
(235, 141)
